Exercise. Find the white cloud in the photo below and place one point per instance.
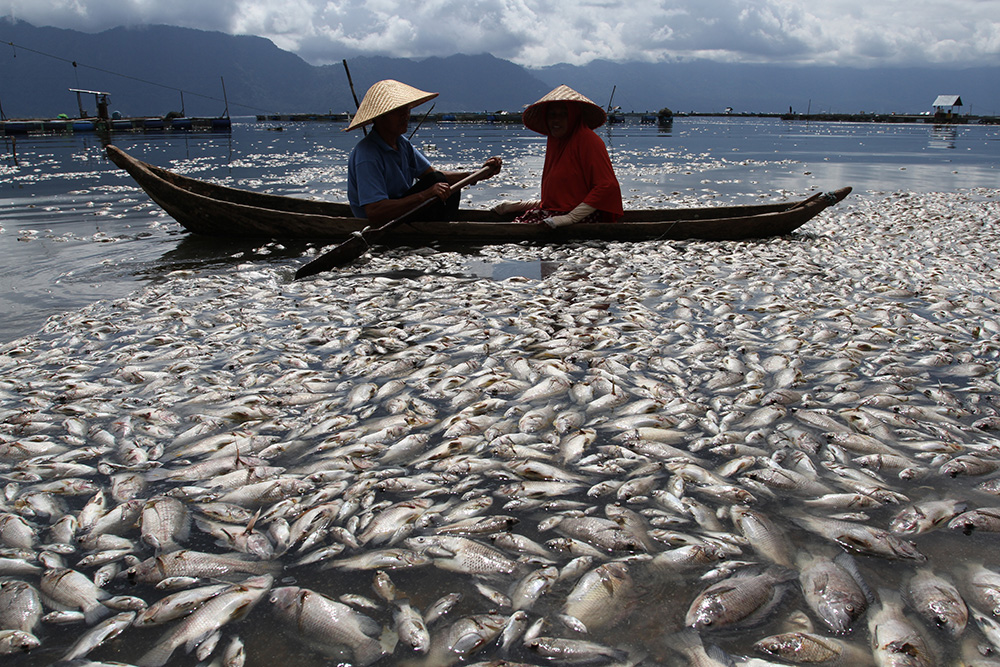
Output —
(545, 32)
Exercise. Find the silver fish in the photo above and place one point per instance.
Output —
(410, 626)
(937, 600)
(464, 637)
(178, 604)
(895, 640)
(231, 605)
(833, 590)
(742, 600)
(461, 554)
(74, 590)
(99, 634)
(925, 516)
(564, 651)
(601, 595)
(17, 641)
(861, 538)
(328, 624)
(188, 563)
(808, 647)
(20, 606)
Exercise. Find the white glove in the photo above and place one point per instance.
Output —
(509, 207)
(574, 216)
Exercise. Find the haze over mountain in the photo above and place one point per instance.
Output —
(146, 69)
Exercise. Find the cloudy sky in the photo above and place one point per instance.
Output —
(534, 33)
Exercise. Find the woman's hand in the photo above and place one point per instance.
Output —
(495, 163)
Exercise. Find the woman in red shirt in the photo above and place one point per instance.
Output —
(578, 182)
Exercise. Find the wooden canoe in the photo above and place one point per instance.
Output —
(215, 210)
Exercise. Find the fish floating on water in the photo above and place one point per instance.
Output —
(659, 454)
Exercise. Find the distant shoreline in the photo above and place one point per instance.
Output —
(653, 118)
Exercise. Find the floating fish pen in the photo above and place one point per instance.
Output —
(139, 124)
(302, 117)
(104, 122)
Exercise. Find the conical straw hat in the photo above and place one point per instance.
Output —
(534, 115)
(385, 96)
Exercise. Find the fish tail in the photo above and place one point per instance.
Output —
(96, 613)
(844, 560)
(368, 653)
(156, 656)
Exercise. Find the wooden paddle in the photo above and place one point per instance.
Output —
(359, 242)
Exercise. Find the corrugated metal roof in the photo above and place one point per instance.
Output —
(948, 101)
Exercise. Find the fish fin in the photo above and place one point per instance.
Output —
(252, 522)
(845, 561)
(156, 656)
(96, 613)
(369, 626)
(368, 652)
(439, 552)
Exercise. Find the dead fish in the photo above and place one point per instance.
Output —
(464, 637)
(742, 600)
(833, 589)
(925, 516)
(164, 523)
(461, 554)
(99, 634)
(565, 651)
(410, 626)
(231, 605)
(381, 559)
(178, 604)
(861, 538)
(74, 590)
(986, 519)
(532, 586)
(808, 648)
(188, 563)
(602, 533)
(937, 600)
(17, 641)
(763, 534)
(895, 640)
(601, 595)
(20, 606)
(983, 588)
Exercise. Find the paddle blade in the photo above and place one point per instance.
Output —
(345, 253)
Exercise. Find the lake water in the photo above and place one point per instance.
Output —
(74, 228)
(609, 411)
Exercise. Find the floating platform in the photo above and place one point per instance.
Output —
(137, 124)
(296, 117)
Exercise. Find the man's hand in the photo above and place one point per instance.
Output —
(440, 190)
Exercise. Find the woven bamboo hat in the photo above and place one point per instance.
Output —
(385, 96)
(534, 115)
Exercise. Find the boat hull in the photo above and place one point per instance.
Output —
(214, 210)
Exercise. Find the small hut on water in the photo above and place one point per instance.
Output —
(944, 108)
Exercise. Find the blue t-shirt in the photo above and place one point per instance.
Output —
(376, 172)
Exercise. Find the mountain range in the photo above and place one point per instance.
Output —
(152, 70)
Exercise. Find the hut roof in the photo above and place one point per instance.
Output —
(948, 101)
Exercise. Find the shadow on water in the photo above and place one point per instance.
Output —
(201, 253)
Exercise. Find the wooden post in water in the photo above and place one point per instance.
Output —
(225, 114)
(350, 82)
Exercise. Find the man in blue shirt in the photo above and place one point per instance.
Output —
(386, 176)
